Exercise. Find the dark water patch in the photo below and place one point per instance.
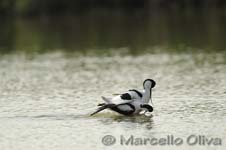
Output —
(101, 31)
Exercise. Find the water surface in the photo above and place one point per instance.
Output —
(46, 99)
(54, 70)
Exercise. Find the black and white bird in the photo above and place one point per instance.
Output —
(131, 102)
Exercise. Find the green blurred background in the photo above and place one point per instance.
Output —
(104, 25)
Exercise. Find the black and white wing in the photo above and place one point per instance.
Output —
(128, 97)
(123, 103)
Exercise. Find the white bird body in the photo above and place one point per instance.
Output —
(123, 104)
(118, 99)
(131, 102)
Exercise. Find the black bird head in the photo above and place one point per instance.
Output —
(149, 83)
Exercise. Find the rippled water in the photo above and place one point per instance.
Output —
(46, 99)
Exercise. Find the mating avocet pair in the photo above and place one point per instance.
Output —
(131, 102)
